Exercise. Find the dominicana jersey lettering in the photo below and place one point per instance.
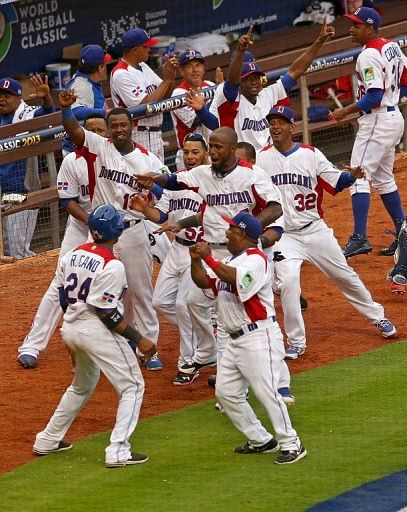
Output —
(181, 204)
(382, 65)
(185, 119)
(301, 174)
(129, 85)
(245, 187)
(248, 120)
(110, 173)
(92, 277)
(250, 299)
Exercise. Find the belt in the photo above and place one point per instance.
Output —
(184, 242)
(305, 226)
(148, 128)
(129, 223)
(246, 329)
(379, 109)
(213, 244)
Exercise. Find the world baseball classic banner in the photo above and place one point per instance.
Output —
(33, 33)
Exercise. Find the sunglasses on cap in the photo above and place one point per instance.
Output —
(194, 137)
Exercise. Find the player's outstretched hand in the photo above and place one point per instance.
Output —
(146, 347)
(170, 67)
(138, 203)
(358, 172)
(171, 227)
(195, 98)
(327, 32)
(67, 98)
(219, 78)
(339, 114)
(245, 42)
(200, 250)
(146, 180)
(41, 86)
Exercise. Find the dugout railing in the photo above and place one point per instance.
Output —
(40, 139)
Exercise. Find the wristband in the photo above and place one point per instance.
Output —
(66, 113)
(212, 262)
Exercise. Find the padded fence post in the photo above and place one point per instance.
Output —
(304, 93)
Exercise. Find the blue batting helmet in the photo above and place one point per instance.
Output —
(106, 223)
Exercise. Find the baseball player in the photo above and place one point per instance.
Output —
(254, 354)
(91, 282)
(380, 70)
(302, 173)
(174, 279)
(242, 103)
(18, 229)
(112, 165)
(185, 120)
(398, 274)
(133, 82)
(73, 191)
(87, 83)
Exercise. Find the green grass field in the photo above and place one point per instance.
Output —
(350, 416)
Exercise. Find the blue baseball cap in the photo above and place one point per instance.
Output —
(12, 86)
(280, 111)
(250, 68)
(247, 223)
(93, 55)
(247, 56)
(365, 16)
(190, 55)
(137, 37)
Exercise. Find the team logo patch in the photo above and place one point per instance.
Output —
(108, 298)
(247, 280)
(62, 185)
(368, 74)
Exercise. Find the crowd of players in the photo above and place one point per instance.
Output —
(245, 208)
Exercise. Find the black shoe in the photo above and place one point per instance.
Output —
(62, 447)
(271, 446)
(291, 456)
(390, 250)
(136, 458)
(357, 244)
(195, 367)
(303, 303)
(185, 378)
(212, 380)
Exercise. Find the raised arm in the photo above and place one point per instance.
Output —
(302, 63)
(245, 43)
(71, 125)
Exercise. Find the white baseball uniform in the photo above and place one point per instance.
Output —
(111, 181)
(129, 85)
(302, 174)
(185, 121)
(72, 182)
(380, 66)
(174, 280)
(254, 354)
(248, 120)
(245, 187)
(94, 278)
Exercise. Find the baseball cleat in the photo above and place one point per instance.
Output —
(269, 447)
(154, 364)
(183, 379)
(288, 397)
(27, 361)
(62, 447)
(294, 352)
(398, 284)
(220, 408)
(357, 244)
(212, 380)
(291, 456)
(386, 328)
(390, 250)
(136, 458)
(195, 367)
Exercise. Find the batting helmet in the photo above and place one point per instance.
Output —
(106, 223)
